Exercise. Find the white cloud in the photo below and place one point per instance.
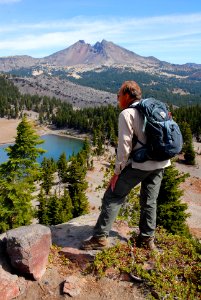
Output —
(146, 36)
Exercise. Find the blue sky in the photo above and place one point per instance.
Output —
(170, 30)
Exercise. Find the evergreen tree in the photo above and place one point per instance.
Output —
(77, 185)
(86, 147)
(23, 154)
(112, 137)
(100, 143)
(67, 207)
(189, 154)
(188, 150)
(94, 138)
(17, 177)
(171, 212)
(15, 204)
(42, 212)
(62, 167)
(48, 169)
(86, 152)
(54, 210)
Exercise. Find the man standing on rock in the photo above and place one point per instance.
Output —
(128, 174)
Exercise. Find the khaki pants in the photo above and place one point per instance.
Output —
(112, 201)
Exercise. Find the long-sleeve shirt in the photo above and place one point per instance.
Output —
(131, 122)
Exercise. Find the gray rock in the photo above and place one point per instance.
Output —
(69, 236)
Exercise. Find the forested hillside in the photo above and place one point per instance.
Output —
(175, 89)
(101, 121)
(178, 87)
(192, 116)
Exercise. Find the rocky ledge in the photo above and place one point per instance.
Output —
(24, 253)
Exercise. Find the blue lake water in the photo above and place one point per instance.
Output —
(55, 145)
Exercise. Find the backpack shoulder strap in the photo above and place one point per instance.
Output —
(135, 138)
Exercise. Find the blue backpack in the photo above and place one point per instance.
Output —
(164, 138)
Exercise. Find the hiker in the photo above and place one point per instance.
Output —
(128, 174)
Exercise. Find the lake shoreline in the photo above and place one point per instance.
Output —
(53, 144)
(66, 132)
(8, 131)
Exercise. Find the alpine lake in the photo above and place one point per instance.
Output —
(54, 145)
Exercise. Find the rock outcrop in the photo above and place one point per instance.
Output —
(28, 249)
(69, 237)
(23, 254)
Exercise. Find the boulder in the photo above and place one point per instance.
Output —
(28, 249)
(9, 287)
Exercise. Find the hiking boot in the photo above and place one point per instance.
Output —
(145, 242)
(95, 243)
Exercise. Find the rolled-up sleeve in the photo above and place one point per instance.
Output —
(125, 136)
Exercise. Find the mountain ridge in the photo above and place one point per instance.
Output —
(81, 53)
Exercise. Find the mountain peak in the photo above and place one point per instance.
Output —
(103, 52)
(98, 46)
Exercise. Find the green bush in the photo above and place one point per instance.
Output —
(173, 273)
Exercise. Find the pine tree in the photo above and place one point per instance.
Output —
(53, 209)
(86, 152)
(100, 145)
(94, 138)
(15, 204)
(188, 150)
(17, 177)
(62, 167)
(48, 169)
(42, 212)
(67, 208)
(79, 201)
(86, 147)
(113, 138)
(189, 154)
(77, 185)
(171, 212)
(23, 154)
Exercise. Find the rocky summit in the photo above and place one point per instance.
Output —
(101, 53)
(81, 53)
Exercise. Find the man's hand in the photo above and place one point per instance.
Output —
(113, 181)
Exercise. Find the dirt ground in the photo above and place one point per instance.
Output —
(192, 194)
(8, 130)
(50, 287)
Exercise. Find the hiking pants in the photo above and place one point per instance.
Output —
(113, 200)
